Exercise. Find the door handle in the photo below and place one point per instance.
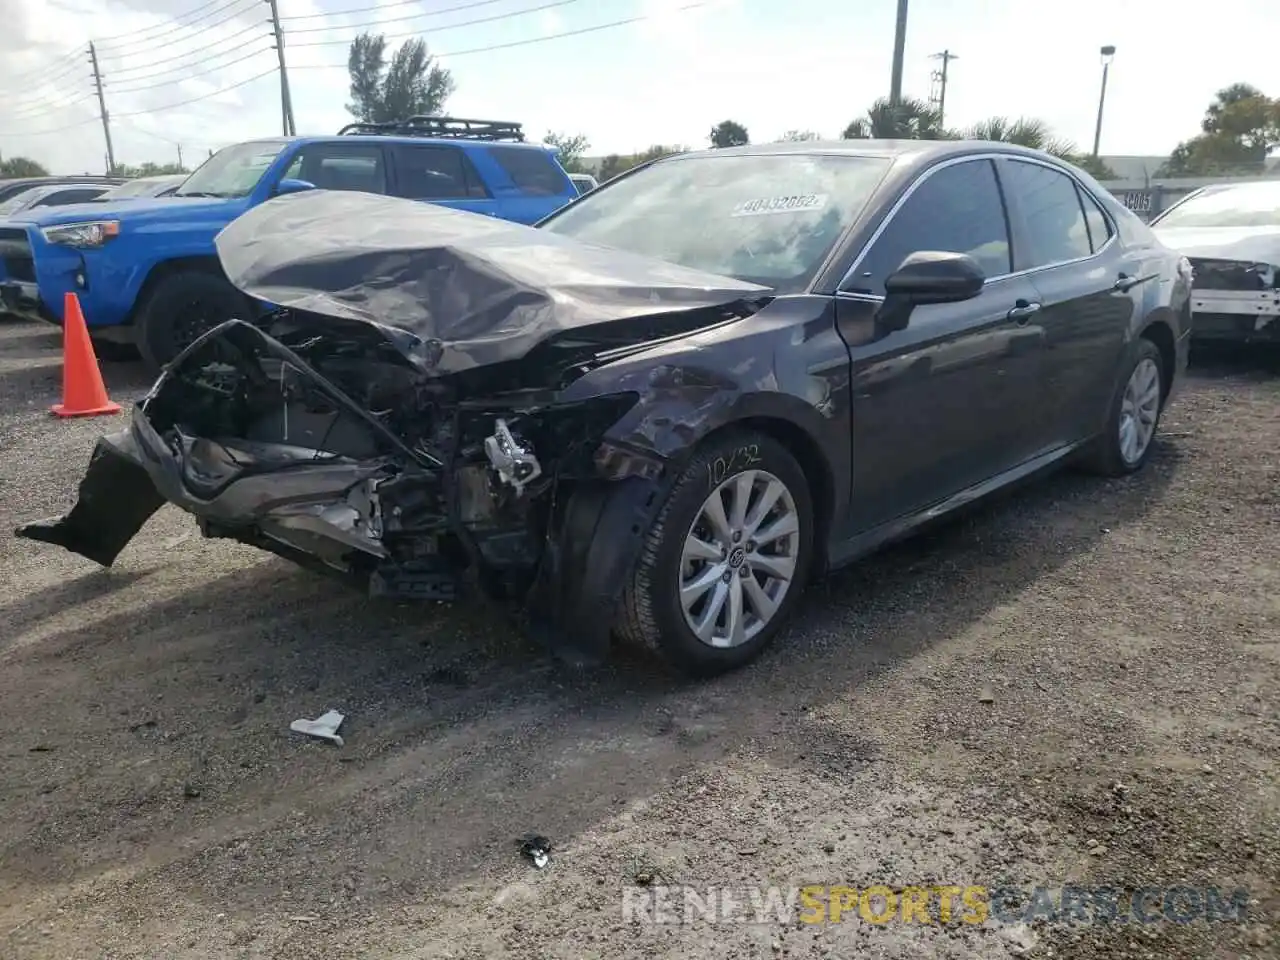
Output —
(1022, 310)
(1125, 283)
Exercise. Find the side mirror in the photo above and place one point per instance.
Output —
(293, 186)
(927, 276)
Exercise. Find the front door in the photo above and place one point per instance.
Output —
(951, 400)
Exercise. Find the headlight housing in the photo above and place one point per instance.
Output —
(93, 233)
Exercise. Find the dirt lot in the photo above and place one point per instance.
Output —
(1078, 684)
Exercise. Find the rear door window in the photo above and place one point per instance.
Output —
(436, 173)
(1099, 226)
(957, 209)
(1051, 208)
(532, 170)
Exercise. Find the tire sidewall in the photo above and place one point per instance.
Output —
(679, 642)
(1144, 350)
(156, 339)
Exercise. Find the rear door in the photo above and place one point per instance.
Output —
(441, 174)
(1085, 285)
(952, 399)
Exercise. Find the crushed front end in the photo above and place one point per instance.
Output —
(1237, 300)
(319, 442)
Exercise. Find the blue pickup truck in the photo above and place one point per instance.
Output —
(146, 271)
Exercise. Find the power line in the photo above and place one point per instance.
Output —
(174, 25)
(186, 75)
(156, 109)
(515, 43)
(433, 13)
(206, 51)
(376, 8)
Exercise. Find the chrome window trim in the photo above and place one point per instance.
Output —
(970, 158)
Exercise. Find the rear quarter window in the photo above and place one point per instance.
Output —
(533, 170)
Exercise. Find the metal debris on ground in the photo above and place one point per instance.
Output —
(537, 848)
(325, 727)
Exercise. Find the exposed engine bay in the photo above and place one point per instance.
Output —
(403, 416)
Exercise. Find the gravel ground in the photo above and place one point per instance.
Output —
(1078, 684)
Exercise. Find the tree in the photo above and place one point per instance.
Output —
(1096, 167)
(16, 167)
(614, 163)
(728, 133)
(411, 84)
(1037, 135)
(911, 120)
(797, 136)
(569, 150)
(1239, 128)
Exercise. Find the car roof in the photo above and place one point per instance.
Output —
(907, 152)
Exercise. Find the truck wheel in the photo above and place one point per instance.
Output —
(727, 559)
(180, 308)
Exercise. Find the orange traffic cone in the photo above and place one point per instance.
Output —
(83, 392)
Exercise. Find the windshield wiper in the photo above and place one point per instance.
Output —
(198, 193)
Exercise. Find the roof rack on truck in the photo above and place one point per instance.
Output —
(449, 128)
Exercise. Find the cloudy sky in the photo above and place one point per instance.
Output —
(198, 74)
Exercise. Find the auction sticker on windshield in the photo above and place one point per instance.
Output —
(796, 203)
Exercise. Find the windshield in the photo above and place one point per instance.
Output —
(20, 201)
(1239, 205)
(767, 219)
(232, 171)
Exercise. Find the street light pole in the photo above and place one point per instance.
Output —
(899, 51)
(1108, 54)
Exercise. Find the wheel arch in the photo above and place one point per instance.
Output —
(809, 454)
(166, 268)
(1160, 332)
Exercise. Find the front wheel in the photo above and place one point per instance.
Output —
(726, 560)
(181, 307)
(1126, 442)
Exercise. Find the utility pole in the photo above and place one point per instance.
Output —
(899, 51)
(179, 146)
(1107, 53)
(939, 98)
(286, 102)
(102, 108)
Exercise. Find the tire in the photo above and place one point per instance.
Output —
(1108, 456)
(652, 614)
(182, 306)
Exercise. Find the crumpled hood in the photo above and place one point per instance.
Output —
(136, 210)
(1252, 244)
(454, 290)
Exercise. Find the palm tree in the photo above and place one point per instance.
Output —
(1036, 134)
(1025, 132)
(911, 120)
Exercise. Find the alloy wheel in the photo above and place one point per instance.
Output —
(739, 558)
(1139, 410)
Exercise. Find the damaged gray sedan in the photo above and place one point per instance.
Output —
(661, 412)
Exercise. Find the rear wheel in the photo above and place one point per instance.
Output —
(180, 308)
(1126, 442)
(726, 560)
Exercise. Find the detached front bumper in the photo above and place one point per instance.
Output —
(1241, 316)
(321, 508)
